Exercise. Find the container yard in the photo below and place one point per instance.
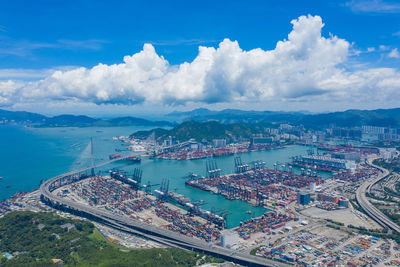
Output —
(361, 174)
(257, 186)
(266, 223)
(119, 197)
(323, 246)
(199, 152)
(188, 150)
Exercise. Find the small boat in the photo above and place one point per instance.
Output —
(8, 186)
(248, 212)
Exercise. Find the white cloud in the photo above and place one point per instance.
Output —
(31, 74)
(182, 42)
(384, 47)
(394, 53)
(305, 67)
(22, 48)
(373, 6)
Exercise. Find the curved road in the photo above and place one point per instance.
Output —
(149, 231)
(370, 209)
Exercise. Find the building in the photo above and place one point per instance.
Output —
(219, 143)
(387, 153)
(170, 141)
(367, 129)
(313, 187)
(343, 202)
(328, 197)
(256, 140)
(373, 133)
(303, 198)
(353, 133)
(229, 238)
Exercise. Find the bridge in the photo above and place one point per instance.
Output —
(369, 208)
(132, 226)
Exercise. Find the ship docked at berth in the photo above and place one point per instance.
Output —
(129, 159)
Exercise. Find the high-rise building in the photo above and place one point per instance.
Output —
(219, 143)
(229, 238)
(303, 198)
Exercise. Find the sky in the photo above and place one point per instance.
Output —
(151, 57)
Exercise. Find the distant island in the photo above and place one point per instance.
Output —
(38, 120)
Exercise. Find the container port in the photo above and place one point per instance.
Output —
(257, 185)
(115, 193)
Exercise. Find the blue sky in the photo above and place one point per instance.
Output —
(39, 37)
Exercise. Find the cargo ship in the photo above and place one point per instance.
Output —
(114, 156)
(130, 159)
(193, 184)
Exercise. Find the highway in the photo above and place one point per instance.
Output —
(149, 231)
(370, 209)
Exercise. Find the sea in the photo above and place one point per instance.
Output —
(29, 155)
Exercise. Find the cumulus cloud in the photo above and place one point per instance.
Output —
(306, 65)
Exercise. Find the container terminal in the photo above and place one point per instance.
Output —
(304, 222)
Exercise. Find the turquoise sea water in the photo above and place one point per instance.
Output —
(29, 155)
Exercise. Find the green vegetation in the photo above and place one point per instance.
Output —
(205, 131)
(37, 238)
(335, 222)
(253, 251)
(333, 226)
(395, 217)
(394, 165)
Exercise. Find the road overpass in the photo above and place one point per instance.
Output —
(370, 209)
(152, 232)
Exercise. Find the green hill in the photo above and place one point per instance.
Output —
(34, 239)
(205, 131)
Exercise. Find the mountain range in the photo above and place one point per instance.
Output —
(39, 120)
(348, 118)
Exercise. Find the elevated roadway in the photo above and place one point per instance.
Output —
(157, 234)
(370, 209)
